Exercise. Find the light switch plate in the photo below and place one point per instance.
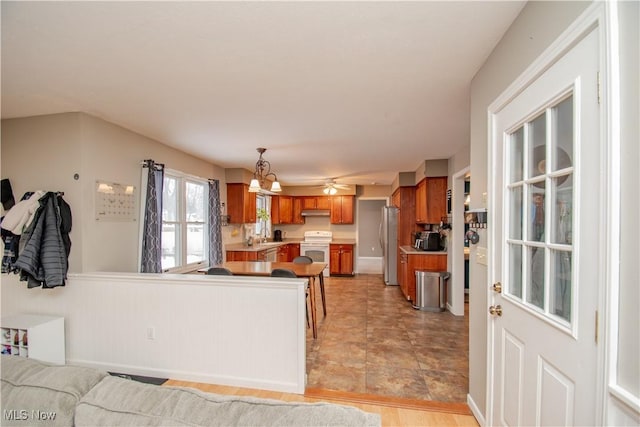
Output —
(481, 255)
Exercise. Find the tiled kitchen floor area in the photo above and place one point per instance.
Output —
(372, 341)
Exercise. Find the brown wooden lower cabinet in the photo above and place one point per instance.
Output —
(410, 263)
(403, 273)
(283, 253)
(341, 260)
(286, 253)
(294, 250)
(246, 255)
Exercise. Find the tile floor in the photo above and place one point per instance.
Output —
(372, 341)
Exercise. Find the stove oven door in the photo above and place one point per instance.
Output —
(318, 253)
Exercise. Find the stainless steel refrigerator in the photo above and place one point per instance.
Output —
(389, 243)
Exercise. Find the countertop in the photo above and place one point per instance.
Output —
(343, 241)
(268, 245)
(410, 250)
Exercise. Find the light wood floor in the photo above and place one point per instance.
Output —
(393, 412)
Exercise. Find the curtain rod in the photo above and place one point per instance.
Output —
(145, 164)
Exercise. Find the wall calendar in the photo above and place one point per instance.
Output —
(115, 202)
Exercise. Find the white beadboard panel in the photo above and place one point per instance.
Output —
(240, 331)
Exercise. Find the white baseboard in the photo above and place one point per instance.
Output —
(229, 380)
(476, 411)
(369, 265)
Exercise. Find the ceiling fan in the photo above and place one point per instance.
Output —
(331, 187)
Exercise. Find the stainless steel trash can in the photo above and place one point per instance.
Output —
(430, 290)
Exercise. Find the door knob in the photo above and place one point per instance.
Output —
(497, 287)
(495, 310)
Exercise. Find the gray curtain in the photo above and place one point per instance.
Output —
(152, 228)
(215, 226)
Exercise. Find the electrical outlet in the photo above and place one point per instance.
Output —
(151, 333)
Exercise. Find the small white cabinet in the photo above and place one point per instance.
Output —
(35, 336)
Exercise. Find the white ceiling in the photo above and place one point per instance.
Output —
(358, 91)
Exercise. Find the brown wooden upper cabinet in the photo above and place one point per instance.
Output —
(342, 209)
(308, 202)
(281, 209)
(421, 202)
(405, 199)
(316, 202)
(396, 199)
(297, 211)
(241, 205)
(431, 200)
(275, 210)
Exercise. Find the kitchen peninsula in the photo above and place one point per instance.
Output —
(339, 256)
(412, 260)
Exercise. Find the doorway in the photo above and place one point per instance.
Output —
(374, 343)
(456, 292)
(369, 250)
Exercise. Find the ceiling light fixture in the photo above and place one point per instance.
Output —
(262, 172)
(330, 190)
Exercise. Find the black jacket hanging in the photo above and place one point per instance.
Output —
(43, 253)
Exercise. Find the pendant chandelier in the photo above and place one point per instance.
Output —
(262, 172)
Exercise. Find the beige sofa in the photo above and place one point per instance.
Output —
(35, 393)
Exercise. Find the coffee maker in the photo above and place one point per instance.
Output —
(428, 241)
(277, 235)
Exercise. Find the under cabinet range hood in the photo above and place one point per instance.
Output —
(316, 212)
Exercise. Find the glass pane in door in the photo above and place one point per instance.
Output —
(560, 291)
(562, 214)
(514, 286)
(535, 284)
(516, 150)
(539, 200)
(537, 143)
(563, 135)
(536, 212)
(515, 219)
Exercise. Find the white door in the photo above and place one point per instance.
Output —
(547, 237)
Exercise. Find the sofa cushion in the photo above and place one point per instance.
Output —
(37, 393)
(123, 402)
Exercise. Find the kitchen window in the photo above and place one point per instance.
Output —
(263, 223)
(184, 222)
